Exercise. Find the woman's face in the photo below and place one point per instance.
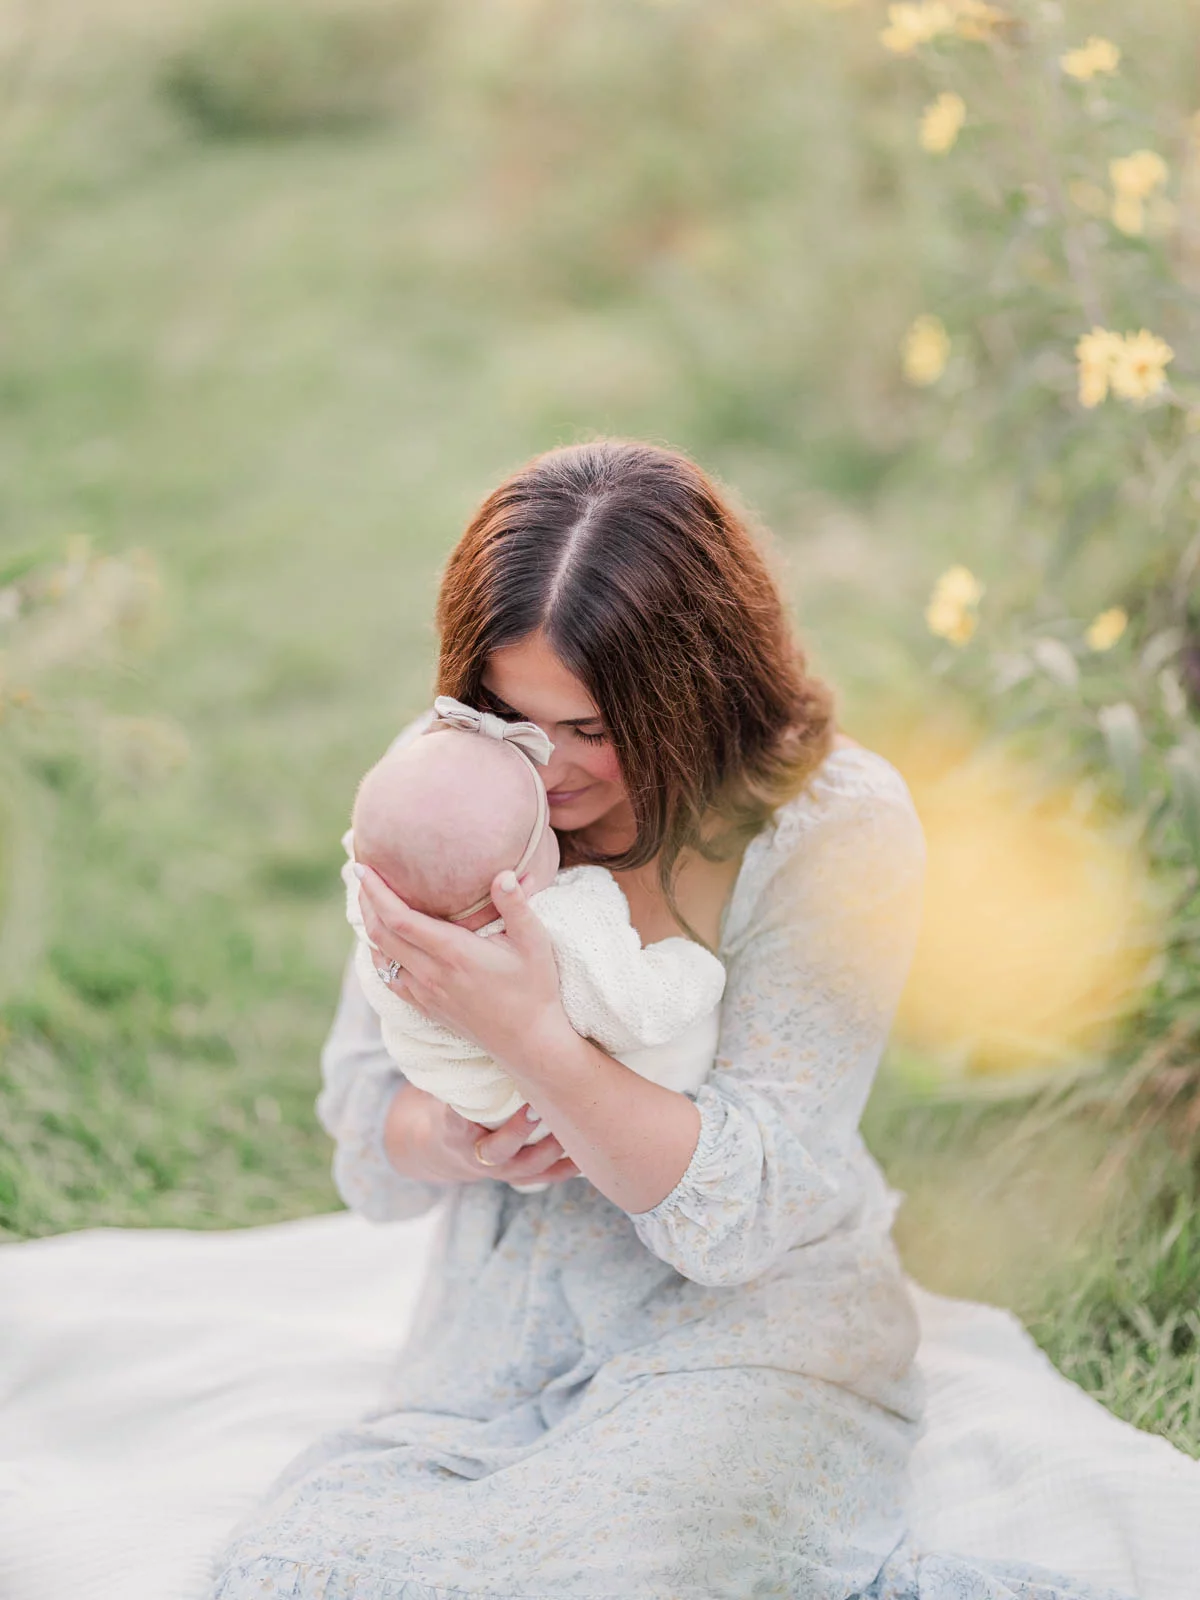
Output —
(583, 780)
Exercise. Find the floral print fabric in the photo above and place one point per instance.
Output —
(710, 1399)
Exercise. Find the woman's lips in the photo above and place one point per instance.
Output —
(564, 797)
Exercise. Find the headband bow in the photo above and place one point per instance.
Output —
(527, 736)
(527, 742)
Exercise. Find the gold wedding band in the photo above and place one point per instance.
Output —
(478, 1157)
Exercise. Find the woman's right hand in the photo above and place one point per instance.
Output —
(426, 1140)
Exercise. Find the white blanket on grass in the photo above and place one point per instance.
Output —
(152, 1383)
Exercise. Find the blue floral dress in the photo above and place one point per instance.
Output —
(714, 1398)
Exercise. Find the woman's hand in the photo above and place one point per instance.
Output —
(426, 1140)
(631, 1138)
(500, 992)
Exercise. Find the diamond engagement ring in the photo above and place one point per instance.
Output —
(391, 972)
(478, 1157)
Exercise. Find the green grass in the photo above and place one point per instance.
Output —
(1022, 1206)
(288, 367)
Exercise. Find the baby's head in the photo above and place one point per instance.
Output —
(437, 818)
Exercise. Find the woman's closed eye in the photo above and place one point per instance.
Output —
(493, 703)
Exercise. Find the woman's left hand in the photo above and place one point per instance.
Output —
(501, 992)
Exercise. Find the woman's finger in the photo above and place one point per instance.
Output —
(413, 993)
(499, 1145)
(533, 1161)
(532, 1158)
(521, 924)
(430, 934)
(389, 947)
(560, 1171)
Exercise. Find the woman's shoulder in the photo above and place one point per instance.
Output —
(853, 788)
(854, 818)
(852, 830)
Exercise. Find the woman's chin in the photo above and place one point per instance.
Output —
(572, 815)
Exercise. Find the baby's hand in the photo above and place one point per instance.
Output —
(426, 1140)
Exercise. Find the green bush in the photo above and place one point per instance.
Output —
(281, 70)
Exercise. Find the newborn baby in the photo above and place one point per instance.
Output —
(437, 818)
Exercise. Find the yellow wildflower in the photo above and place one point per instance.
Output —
(1096, 352)
(1107, 628)
(1138, 175)
(960, 585)
(941, 123)
(926, 351)
(1139, 365)
(1096, 56)
(1128, 215)
(977, 21)
(952, 610)
(1134, 180)
(915, 24)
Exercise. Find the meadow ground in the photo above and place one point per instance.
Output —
(286, 361)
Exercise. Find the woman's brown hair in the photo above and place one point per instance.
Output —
(651, 590)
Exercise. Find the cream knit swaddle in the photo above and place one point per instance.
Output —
(655, 1007)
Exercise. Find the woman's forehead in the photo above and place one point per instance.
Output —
(530, 678)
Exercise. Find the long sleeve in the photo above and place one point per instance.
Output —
(819, 939)
(360, 1079)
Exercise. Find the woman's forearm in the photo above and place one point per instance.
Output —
(630, 1137)
(406, 1133)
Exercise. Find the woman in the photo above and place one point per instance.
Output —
(684, 1369)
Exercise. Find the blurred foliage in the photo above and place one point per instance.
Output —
(269, 71)
(1079, 248)
(286, 289)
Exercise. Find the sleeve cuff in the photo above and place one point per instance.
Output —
(362, 1173)
(692, 1196)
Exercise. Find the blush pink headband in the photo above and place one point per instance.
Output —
(524, 739)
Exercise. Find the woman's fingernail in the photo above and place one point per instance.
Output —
(531, 1115)
(508, 881)
(359, 870)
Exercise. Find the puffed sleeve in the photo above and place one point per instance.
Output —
(359, 1080)
(816, 960)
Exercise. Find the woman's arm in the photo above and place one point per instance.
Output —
(632, 1138)
(814, 979)
(398, 1149)
(768, 1156)
(360, 1082)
